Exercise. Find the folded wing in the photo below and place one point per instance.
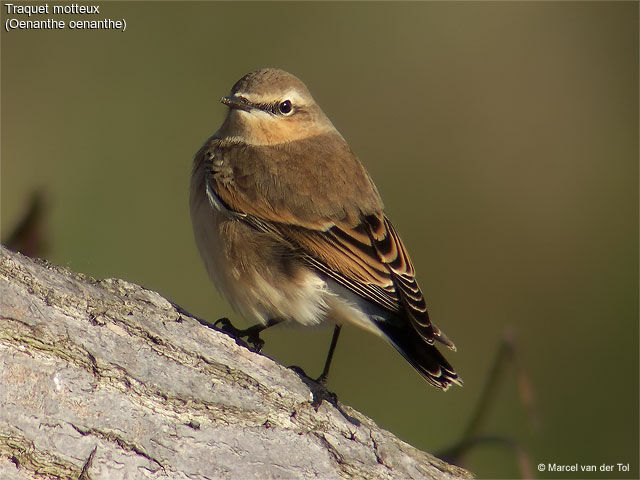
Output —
(366, 256)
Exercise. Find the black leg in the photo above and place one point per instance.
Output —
(327, 364)
(252, 334)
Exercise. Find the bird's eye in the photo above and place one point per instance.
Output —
(285, 107)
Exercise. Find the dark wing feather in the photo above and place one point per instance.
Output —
(369, 260)
(393, 254)
(381, 271)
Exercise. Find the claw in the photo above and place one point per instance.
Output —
(254, 339)
(252, 334)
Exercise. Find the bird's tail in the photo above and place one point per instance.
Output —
(424, 357)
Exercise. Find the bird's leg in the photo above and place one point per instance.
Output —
(318, 387)
(322, 379)
(252, 334)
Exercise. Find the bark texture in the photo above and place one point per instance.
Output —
(108, 380)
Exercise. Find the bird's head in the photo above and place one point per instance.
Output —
(271, 106)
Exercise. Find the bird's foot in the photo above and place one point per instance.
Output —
(318, 388)
(252, 334)
(323, 380)
(320, 392)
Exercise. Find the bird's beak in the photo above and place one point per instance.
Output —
(233, 101)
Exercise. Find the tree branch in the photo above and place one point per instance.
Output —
(106, 380)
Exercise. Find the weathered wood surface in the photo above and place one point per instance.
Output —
(108, 380)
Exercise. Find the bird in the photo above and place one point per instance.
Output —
(291, 227)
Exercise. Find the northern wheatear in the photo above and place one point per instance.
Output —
(291, 227)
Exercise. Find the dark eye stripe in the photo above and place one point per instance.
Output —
(274, 108)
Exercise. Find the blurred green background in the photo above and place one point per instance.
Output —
(503, 138)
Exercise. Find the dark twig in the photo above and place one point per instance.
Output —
(505, 355)
(28, 236)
